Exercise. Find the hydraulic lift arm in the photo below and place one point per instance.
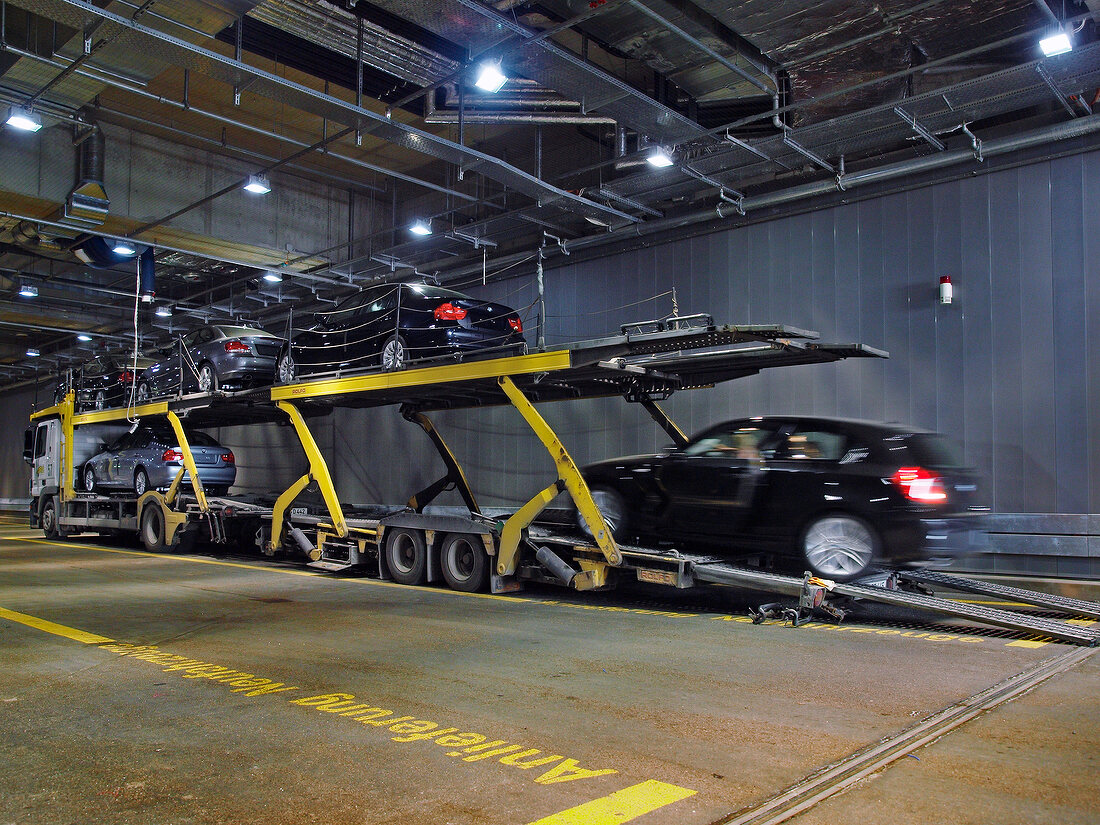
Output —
(569, 475)
(318, 471)
(188, 464)
(454, 474)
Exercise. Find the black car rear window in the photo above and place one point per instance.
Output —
(933, 450)
(435, 293)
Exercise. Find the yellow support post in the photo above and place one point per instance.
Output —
(454, 470)
(318, 471)
(188, 462)
(568, 473)
(67, 407)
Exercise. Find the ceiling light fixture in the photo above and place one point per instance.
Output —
(258, 185)
(23, 119)
(660, 158)
(85, 337)
(28, 291)
(33, 353)
(490, 76)
(1058, 43)
(273, 277)
(163, 311)
(123, 248)
(421, 227)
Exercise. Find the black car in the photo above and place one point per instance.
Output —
(103, 382)
(211, 358)
(391, 325)
(833, 496)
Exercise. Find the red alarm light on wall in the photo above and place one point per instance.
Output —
(947, 290)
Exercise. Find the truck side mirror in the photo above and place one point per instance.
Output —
(28, 444)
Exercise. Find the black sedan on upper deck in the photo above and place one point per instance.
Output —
(835, 496)
(391, 325)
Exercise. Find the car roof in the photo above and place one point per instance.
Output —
(881, 427)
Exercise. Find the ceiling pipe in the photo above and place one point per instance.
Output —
(1080, 127)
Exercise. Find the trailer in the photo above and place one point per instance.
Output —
(471, 550)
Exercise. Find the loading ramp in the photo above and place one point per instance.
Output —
(731, 575)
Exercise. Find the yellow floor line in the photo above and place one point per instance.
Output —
(54, 628)
(621, 806)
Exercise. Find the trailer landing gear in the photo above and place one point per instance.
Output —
(810, 599)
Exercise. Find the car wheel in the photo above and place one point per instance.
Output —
(612, 507)
(100, 400)
(464, 562)
(208, 378)
(142, 393)
(152, 529)
(89, 479)
(395, 354)
(406, 555)
(141, 482)
(286, 370)
(838, 546)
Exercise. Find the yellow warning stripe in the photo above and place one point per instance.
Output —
(54, 628)
(621, 806)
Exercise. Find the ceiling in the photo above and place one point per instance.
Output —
(761, 103)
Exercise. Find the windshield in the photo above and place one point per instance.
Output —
(433, 292)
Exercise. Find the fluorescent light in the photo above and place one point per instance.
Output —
(28, 291)
(83, 337)
(1055, 44)
(123, 248)
(33, 353)
(421, 227)
(163, 311)
(257, 184)
(273, 277)
(660, 158)
(24, 119)
(490, 77)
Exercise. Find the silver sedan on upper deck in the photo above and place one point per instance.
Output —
(211, 358)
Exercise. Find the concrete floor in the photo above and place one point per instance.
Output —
(192, 689)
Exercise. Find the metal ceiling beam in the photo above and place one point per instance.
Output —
(80, 14)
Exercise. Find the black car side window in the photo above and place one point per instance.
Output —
(815, 445)
(739, 442)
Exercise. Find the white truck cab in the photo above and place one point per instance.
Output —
(42, 449)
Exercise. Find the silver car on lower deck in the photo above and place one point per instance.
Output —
(149, 457)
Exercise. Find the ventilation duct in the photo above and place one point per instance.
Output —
(88, 203)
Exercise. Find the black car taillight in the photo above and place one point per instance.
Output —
(125, 377)
(237, 348)
(919, 484)
(449, 312)
(516, 324)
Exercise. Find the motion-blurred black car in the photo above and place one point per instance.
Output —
(833, 496)
(392, 325)
(103, 382)
(213, 357)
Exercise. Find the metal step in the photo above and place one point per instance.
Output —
(787, 585)
(330, 566)
(1078, 607)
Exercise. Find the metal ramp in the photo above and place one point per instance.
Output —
(741, 577)
(1063, 604)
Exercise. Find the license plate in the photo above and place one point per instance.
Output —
(298, 512)
(657, 576)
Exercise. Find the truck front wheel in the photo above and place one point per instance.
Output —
(48, 519)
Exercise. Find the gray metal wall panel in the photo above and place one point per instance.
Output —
(847, 315)
(1090, 416)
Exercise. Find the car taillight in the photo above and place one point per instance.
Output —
(516, 324)
(228, 458)
(125, 377)
(172, 454)
(449, 312)
(919, 484)
(239, 347)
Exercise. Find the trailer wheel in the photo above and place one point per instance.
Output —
(152, 529)
(406, 555)
(48, 519)
(464, 562)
